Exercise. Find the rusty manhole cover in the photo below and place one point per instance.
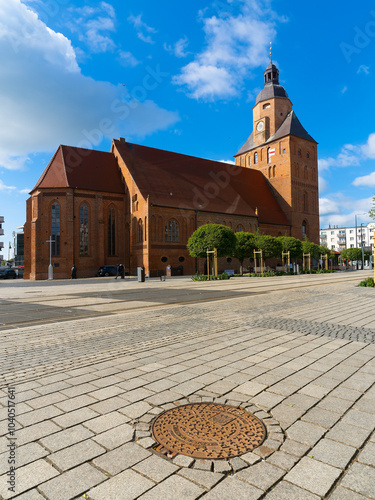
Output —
(208, 430)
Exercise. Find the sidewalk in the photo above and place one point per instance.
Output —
(302, 360)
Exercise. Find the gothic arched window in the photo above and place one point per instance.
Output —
(112, 232)
(84, 230)
(140, 231)
(239, 228)
(304, 228)
(274, 171)
(255, 157)
(268, 155)
(55, 228)
(172, 231)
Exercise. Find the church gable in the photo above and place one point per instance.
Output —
(80, 168)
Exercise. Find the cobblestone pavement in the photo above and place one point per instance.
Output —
(299, 355)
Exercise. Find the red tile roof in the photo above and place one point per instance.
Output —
(181, 181)
(80, 168)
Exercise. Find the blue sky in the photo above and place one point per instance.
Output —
(183, 76)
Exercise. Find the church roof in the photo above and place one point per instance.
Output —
(290, 126)
(269, 91)
(180, 181)
(81, 168)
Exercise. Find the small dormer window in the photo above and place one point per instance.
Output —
(266, 106)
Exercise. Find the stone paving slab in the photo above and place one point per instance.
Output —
(295, 358)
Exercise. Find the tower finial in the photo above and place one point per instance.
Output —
(271, 51)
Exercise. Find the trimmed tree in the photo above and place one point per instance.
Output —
(292, 245)
(270, 246)
(245, 246)
(212, 236)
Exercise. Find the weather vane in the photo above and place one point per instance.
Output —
(271, 51)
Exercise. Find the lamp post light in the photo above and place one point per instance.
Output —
(356, 236)
(50, 267)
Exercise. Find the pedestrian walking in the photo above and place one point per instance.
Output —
(73, 274)
(122, 271)
(118, 271)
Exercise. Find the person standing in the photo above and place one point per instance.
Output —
(122, 271)
(73, 274)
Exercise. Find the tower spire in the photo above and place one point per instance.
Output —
(271, 51)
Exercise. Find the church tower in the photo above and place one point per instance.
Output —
(286, 154)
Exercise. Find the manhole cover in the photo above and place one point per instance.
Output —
(208, 430)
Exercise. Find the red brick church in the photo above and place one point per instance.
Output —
(138, 206)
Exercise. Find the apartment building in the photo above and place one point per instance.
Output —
(337, 238)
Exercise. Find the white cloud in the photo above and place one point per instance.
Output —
(179, 48)
(323, 184)
(142, 29)
(127, 59)
(94, 26)
(365, 180)
(368, 149)
(349, 156)
(328, 206)
(344, 89)
(55, 104)
(236, 43)
(363, 69)
(341, 210)
(3, 187)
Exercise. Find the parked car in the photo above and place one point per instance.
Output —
(8, 274)
(107, 271)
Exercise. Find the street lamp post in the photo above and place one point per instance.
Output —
(50, 267)
(356, 236)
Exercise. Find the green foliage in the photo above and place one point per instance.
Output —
(199, 277)
(270, 246)
(204, 277)
(372, 209)
(245, 246)
(267, 274)
(292, 245)
(212, 236)
(367, 282)
(352, 253)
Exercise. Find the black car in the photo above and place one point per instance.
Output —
(8, 274)
(107, 271)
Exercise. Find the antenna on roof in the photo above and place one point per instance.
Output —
(271, 51)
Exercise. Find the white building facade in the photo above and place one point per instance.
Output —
(338, 238)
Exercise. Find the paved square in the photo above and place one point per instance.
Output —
(298, 352)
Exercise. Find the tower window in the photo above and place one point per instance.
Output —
(284, 150)
(112, 232)
(249, 160)
(84, 230)
(274, 171)
(255, 157)
(299, 152)
(304, 228)
(307, 155)
(266, 106)
(269, 171)
(55, 229)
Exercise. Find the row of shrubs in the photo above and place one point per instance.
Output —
(266, 274)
